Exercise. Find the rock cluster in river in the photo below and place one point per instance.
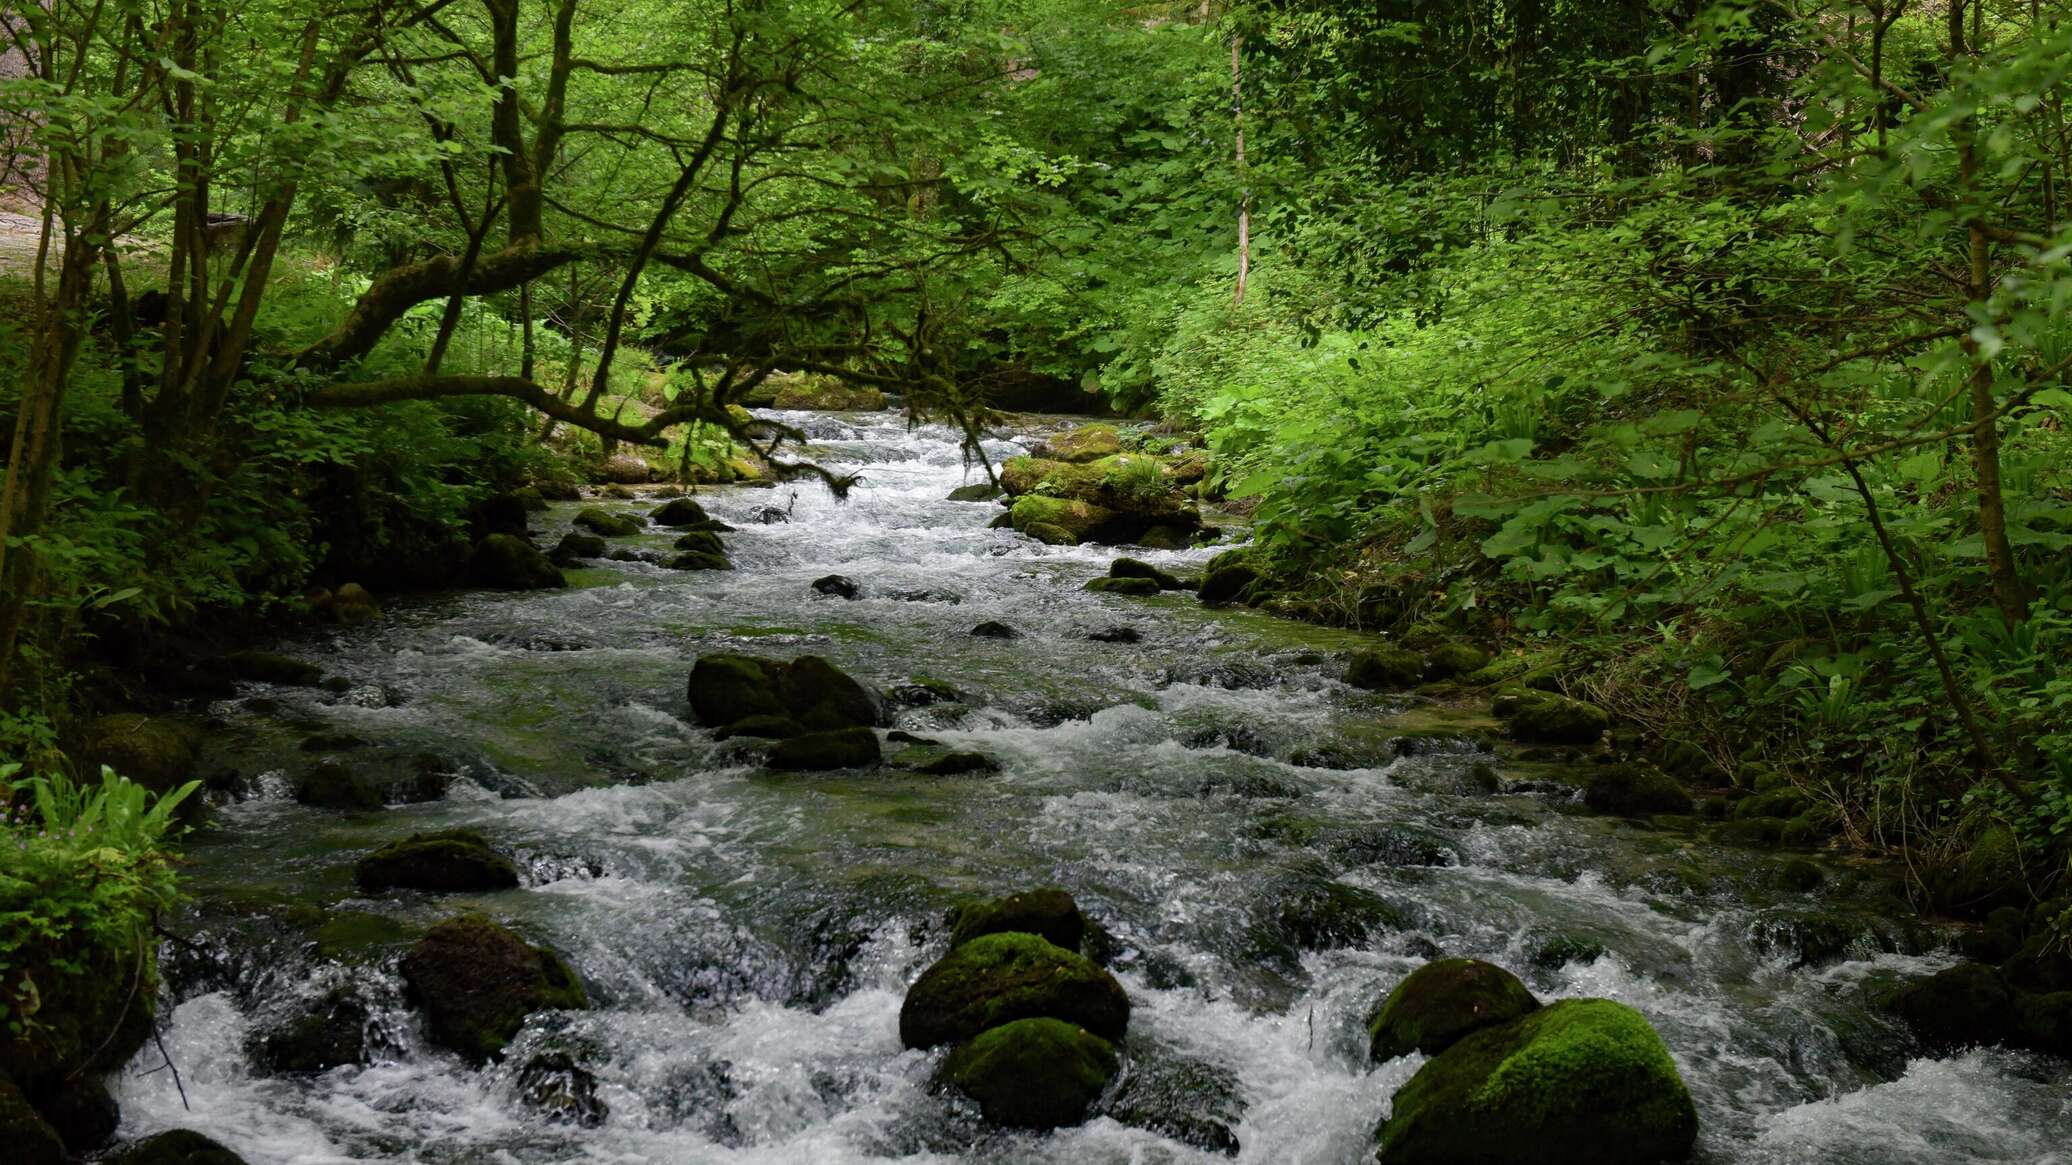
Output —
(821, 717)
(1033, 1022)
(1578, 1082)
(1082, 486)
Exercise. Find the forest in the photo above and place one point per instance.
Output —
(1437, 582)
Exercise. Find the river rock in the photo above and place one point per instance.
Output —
(1139, 588)
(157, 752)
(562, 1090)
(957, 764)
(698, 560)
(353, 605)
(1048, 911)
(1138, 568)
(1580, 1082)
(1966, 1006)
(1188, 1100)
(29, 1138)
(843, 748)
(446, 861)
(999, 978)
(1116, 635)
(839, 586)
(1083, 444)
(1386, 668)
(476, 982)
(1165, 537)
(701, 542)
(83, 1113)
(679, 513)
(558, 491)
(1047, 533)
(994, 629)
(1630, 790)
(725, 688)
(268, 667)
(501, 514)
(764, 727)
(508, 563)
(330, 1033)
(979, 491)
(575, 546)
(1448, 660)
(602, 521)
(1444, 1002)
(337, 785)
(1034, 1073)
(1549, 718)
(174, 1147)
(1223, 585)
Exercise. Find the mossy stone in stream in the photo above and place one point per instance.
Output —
(1165, 537)
(1985, 874)
(330, 1033)
(1548, 718)
(29, 1138)
(1448, 660)
(1581, 1082)
(507, 562)
(598, 520)
(725, 688)
(701, 542)
(1139, 588)
(1635, 791)
(843, 748)
(1385, 669)
(84, 1114)
(763, 727)
(1085, 443)
(1048, 911)
(1966, 1006)
(1033, 1073)
(576, 546)
(823, 697)
(2044, 1022)
(1188, 1100)
(1786, 802)
(679, 513)
(1444, 1002)
(1079, 520)
(446, 861)
(335, 785)
(698, 560)
(978, 491)
(958, 764)
(174, 1147)
(361, 935)
(477, 982)
(1223, 585)
(1051, 535)
(1138, 568)
(999, 978)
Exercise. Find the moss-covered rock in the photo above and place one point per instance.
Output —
(1548, 718)
(1048, 534)
(1082, 520)
(999, 978)
(336, 785)
(1138, 568)
(698, 560)
(678, 513)
(447, 861)
(1033, 1073)
(1442, 1003)
(826, 395)
(1782, 803)
(1085, 443)
(1448, 660)
(476, 983)
(701, 542)
(1136, 588)
(611, 525)
(1049, 912)
(1966, 1006)
(175, 1147)
(1981, 876)
(1232, 583)
(574, 547)
(978, 491)
(813, 752)
(157, 752)
(727, 688)
(957, 764)
(2044, 1022)
(1629, 790)
(763, 727)
(507, 562)
(1581, 1082)
(1385, 669)
(29, 1138)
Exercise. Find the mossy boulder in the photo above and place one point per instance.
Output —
(813, 752)
(1138, 568)
(1226, 584)
(574, 547)
(29, 1138)
(678, 513)
(978, 491)
(175, 1147)
(1444, 1002)
(1580, 1082)
(1385, 669)
(957, 764)
(1782, 803)
(2044, 1022)
(1548, 718)
(994, 629)
(701, 542)
(506, 562)
(1635, 791)
(1448, 660)
(336, 785)
(698, 560)
(476, 983)
(837, 586)
(1049, 912)
(1966, 1006)
(598, 520)
(157, 752)
(1050, 535)
(447, 861)
(1085, 443)
(999, 978)
(725, 688)
(1033, 1073)
(816, 394)
(1136, 588)
(763, 727)
(1081, 520)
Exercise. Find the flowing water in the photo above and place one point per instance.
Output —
(1266, 861)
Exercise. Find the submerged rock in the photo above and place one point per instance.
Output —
(1548, 718)
(176, 1147)
(477, 981)
(1635, 791)
(958, 764)
(1444, 1002)
(1034, 1073)
(1116, 635)
(1580, 1082)
(506, 562)
(447, 861)
(999, 978)
(602, 521)
(1966, 1006)
(843, 748)
(1049, 912)
(553, 1083)
(1191, 1101)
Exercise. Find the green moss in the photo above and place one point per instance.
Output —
(354, 934)
(1448, 660)
(1048, 911)
(999, 978)
(477, 982)
(1034, 1073)
(1083, 444)
(1443, 1002)
(1585, 1070)
(1079, 519)
(1385, 669)
(1548, 718)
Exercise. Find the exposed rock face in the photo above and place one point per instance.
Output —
(477, 982)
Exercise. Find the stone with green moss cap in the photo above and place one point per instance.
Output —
(1444, 1002)
(1033, 1073)
(1550, 718)
(448, 860)
(1047, 911)
(598, 520)
(1000, 978)
(477, 981)
(1580, 1082)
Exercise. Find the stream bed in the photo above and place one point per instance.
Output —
(1268, 850)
